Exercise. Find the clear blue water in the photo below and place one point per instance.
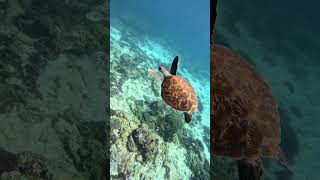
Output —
(183, 23)
(281, 39)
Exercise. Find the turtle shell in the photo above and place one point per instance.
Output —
(179, 94)
(244, 115)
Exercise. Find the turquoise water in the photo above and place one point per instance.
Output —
(143, 36)
(183, 24)
(281, 41)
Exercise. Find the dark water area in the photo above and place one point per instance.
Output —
(279, 25)
(184, 24)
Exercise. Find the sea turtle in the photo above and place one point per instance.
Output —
(176, 92)
(245, 122)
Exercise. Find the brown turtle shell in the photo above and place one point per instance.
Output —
(179, 94)
(244, 115)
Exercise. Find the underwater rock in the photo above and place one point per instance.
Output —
(33, 164)
(191, 143)
(116, 113)
(206, 137)
(141, 110)
(126, 68)
(79, 41)
(28, 164)
(132, 105)
(11, 175)
(147, 117)
(131, 145)
(83, 142)
(146, 142)
(31, 114)
(170, 125)
(157, 116)
(199, 166)
(196, 160)
(158, 108)
(114, 136)
(122, 126)
(32, 36)
(140, 106)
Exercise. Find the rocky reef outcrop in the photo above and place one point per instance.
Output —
(53, 76)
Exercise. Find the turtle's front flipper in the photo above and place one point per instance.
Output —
(187, 117)
(250, 170)
(154, 74)
(174, 66)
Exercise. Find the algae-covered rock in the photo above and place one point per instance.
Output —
(12, 175)
(51, 89)
(170, 125)
(24, 165)
(137, 151)
(146, 142)
(131, 145)
(158, 108)
(33, 165)
(196, 160)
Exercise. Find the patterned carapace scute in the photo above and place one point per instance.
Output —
(179, 94)
(244, 117)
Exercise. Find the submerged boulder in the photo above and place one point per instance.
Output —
(144, 141)
(24, 164)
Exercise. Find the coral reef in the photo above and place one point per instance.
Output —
(138, 152)
(147, 143)
(23, 165)
(148, 138)
(52, 71)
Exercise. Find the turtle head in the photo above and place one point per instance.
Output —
(164, 71)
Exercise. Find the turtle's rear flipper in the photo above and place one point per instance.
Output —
(187, 117)
(174, 66)
(252, 170)
(154, 74)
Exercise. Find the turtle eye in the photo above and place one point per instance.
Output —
(159, 68)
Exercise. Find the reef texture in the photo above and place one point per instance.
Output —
(150, 140)
(52, 71)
